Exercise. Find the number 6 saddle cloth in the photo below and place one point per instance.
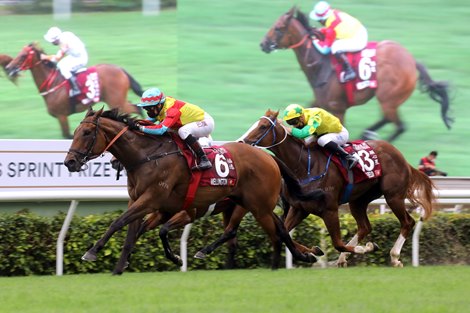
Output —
(368, 166)
(364, 64)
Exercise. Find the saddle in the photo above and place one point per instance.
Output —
(88, 82)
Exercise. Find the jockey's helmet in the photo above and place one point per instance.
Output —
(321, 11)
(151, 97)
(52, 34)
(292, 111)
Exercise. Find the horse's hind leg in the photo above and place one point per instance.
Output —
(397, 205)
(230, 233)
(131, 239)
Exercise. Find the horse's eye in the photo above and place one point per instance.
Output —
(86, 132)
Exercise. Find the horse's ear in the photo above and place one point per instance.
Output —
(98, 113)
(292, 10)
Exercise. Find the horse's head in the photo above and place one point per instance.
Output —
(267, 132)
(290, 30)
(28, 57)
(88, 142)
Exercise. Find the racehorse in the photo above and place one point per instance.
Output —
(113, 80)
(399, 181)
(158, 179)
(395, 68)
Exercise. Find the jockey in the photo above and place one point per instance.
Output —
(343, 33)
(188, 119)
(72, 55)
(315, 122)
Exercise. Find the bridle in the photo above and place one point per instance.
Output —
(280, 32)
(83, 158)
(272, 129)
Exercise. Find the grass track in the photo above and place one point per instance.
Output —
(362, 290)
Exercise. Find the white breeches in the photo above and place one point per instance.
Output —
(354, 44)
(340, 138)
(70, 64)
(198, 129)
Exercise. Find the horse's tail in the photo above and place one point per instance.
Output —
(135, 86)
(437, 90)
(293, 185)
(420, 191)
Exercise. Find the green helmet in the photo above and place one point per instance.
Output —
(293, 111)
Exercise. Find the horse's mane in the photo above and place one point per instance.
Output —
(116, 115)
(304, 21)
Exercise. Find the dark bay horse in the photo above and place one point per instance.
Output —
(114, 85)
(158, 179)
(396, 74)
(399, 181)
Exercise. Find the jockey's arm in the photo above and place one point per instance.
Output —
(330, 36)
(54, 57)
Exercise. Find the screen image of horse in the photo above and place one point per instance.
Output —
(399, 181)
(113, 80)
(159, 177)
(396, 74)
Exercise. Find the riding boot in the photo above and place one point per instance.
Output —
(348, 73)
(352, 159)
(193, 144)
(74, 91)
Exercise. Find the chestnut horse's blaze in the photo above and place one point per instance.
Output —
(159, 179)
(114, 85)
(396, 74)
(399, 181)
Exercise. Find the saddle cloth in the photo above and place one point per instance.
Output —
(364, 64)
(88, 82)
(368, 167)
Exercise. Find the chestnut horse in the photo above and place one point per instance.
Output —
(399, 181)
(114, 84)
(396, 74)
(158, 179)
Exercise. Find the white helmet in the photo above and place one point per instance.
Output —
(321, 11)
(52, 34)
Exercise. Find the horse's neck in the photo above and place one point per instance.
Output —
(41, 72)
(300, 159)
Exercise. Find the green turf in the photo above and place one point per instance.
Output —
(208, 53)
(353, 290)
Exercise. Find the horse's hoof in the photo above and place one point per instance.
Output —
(342, 264)
(311, 258)
(200, 255)
(89, 256)
(117, 273)
(317, 251)
(397, 264)
(376, 247)
(369, 135)
(177, 260)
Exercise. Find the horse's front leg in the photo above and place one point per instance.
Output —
(131, 238)
(296, 215)
(64, 126)
(137, 211)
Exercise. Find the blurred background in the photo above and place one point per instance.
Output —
(207, 52)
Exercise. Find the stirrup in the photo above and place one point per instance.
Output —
(347, 76)
(202, 166)
(352, 161)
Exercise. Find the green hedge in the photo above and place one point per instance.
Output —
(45, 6)
(28, 243)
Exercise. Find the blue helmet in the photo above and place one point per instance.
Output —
(151, 97)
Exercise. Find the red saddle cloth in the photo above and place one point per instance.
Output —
(364, 64)
(89, 85)
(367, 168)
(222, 173)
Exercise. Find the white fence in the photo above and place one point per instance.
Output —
(444, 197)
